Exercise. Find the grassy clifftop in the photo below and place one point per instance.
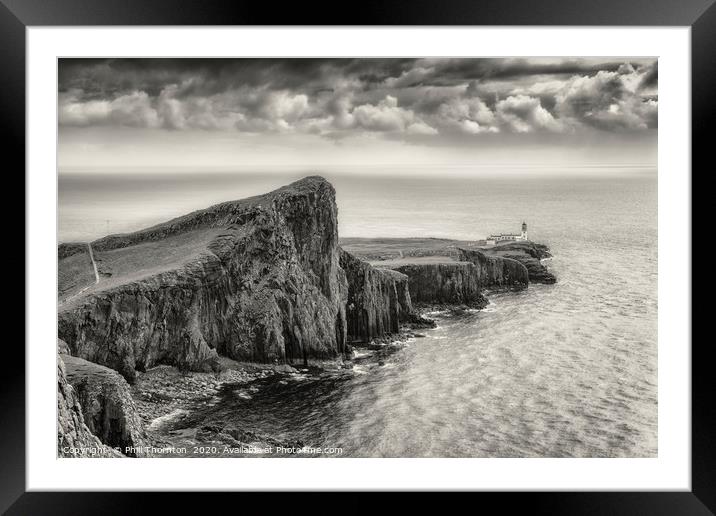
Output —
(397, 252)
(129, 257)
(219, 215)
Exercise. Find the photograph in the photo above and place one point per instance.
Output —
(341, 257)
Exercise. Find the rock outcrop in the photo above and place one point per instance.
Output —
(267, 288)
(538, 273)
(455, 283)
(538, 251)
(530, 255)
(496, 272)
(74, 438)
(62, 347)
(462, 282)
(378, 299)
(107, 407)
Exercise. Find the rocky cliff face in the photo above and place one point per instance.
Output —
(74, 438)
(107, 407)
(269, 288)
(444, 283)
(378, 299)
(530, 255)
(496, 272)
(464, 281)
(538, 273)
(527, 247)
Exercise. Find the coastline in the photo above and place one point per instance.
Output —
(167, 398)
(171, 403)
(253, 299)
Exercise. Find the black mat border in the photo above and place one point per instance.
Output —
(700, 15)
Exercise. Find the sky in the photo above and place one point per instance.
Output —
(352, 114)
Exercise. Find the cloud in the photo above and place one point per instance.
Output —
(421, 128)
(133, 110)
(386, 116)
(472, 127)
(607, 101)
(442, 99)
(466, 114)
(523, 114)
(171, 110)
(339, 109)
(410, 77)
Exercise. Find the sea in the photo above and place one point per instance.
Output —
(563, 370)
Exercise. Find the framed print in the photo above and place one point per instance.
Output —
(436, 249)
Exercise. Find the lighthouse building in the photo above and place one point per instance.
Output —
(508, 237)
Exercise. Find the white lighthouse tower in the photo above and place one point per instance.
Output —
(523, 236)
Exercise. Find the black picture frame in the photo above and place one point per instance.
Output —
(700, 15)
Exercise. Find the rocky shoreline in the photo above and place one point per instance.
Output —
(163, 402)
(234, 297)
(167, 399)
(165, 396)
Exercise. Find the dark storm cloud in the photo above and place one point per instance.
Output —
(651, 77)
(338, 98)
(211, 76)
(504, 69)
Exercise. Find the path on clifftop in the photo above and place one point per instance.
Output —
(94, 265)
(96, 278)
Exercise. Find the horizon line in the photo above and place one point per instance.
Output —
(285, 168)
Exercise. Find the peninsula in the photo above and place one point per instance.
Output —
(238, 289)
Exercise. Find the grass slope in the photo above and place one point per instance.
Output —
(133, 263)
(73, 274)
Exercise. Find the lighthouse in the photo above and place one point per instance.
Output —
(507, 237)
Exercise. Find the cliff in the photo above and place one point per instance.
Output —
(106, 403)
(527, 247)
(255, 280)
(538, 273)
(496, 272)
(444, 283)
(390, 252)
(378, 299)
(74, 438)
(530, 255)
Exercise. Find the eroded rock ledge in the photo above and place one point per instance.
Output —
(107, 408)
(461, 282)
(379, 300)
(497, 272)
(456, 283)
(74, 438)
(530, 255)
